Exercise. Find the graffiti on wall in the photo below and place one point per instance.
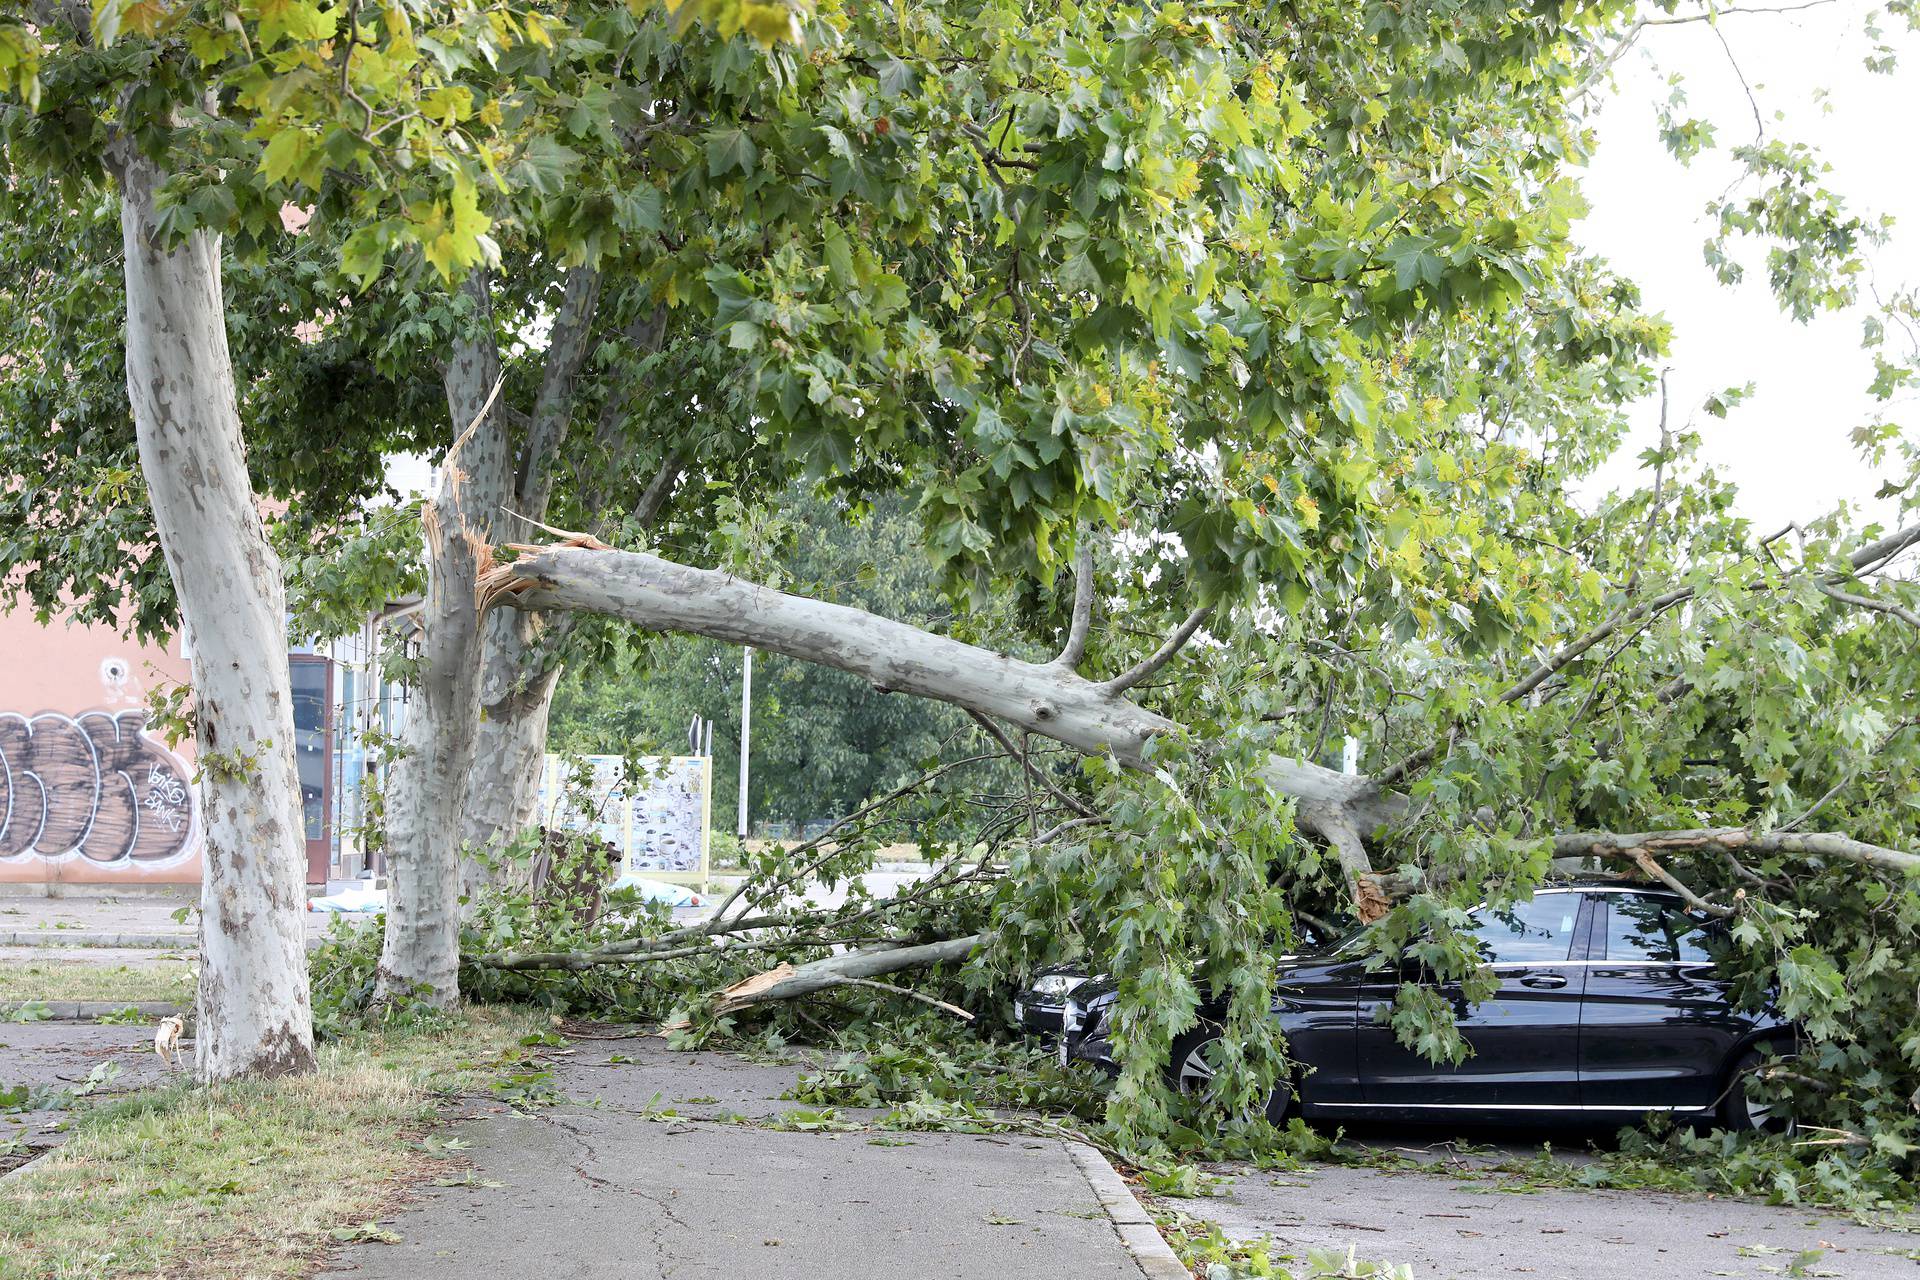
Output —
(94, 786)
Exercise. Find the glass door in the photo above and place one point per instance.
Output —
(313, 755)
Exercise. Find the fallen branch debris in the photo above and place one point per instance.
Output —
(849, 969)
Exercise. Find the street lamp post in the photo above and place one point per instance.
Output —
(746, 730)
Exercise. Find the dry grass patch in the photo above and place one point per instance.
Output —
(70, 979)
(250, 1179)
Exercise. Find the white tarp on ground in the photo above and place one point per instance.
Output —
(350, 900)
(674, 895)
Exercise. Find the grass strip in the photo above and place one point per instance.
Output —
(255, 1178)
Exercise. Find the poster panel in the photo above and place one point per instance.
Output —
(656, 814)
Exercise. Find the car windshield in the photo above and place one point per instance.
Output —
(1351, 942)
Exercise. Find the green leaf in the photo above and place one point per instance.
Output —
(839, 250)
(291, 153)
(547, 164)
(730, 150)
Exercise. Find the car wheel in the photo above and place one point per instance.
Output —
(1741, 1110)
(1190, 1072)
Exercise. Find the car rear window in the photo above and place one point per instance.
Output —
(1643, 927)
(1527, 932)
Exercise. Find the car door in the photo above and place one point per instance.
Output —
(1314, 1002)
(1658, 1021)
(1525, 1039)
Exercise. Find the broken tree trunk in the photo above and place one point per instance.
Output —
(516, 684)
(253, 1011)
(421, 956)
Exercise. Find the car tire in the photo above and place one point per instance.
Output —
(1741, 1113)
(1188, 1072)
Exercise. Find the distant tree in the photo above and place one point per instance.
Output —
(824, 742)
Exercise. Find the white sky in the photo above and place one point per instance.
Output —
(1787, 447)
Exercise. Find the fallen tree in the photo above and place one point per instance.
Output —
(1050, 699)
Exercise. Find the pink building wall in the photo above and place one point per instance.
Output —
(87, 794)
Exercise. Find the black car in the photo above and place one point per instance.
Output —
(1609, 1006)
(1040, 1007)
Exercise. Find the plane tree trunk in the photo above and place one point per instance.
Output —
(518, 663)
(421, 955)
(518, 673)
(254, 1016)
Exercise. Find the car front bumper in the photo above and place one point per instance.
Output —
(1040, 1017)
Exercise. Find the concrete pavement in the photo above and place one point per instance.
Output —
(640, 1175)
(140, 922)
(62, 1055)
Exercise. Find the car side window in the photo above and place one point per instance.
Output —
(1643, 927)
(1527, 932)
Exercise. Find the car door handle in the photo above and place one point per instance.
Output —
(1544, 981)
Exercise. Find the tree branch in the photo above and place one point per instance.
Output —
(1162, 656)
(1820, 844)
(567, 350)
(1878, 606)
(1875, 553)
(789, 981)
(1645, 861)
(909, 993)
(1066, 798)
(1075, 649)
(653, 500)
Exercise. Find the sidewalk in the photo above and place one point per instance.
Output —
(56, 1053)
(608, 1185)
(136, 922)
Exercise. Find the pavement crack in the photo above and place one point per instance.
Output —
(591, 1154)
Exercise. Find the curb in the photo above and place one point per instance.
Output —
(55, 938)
(1143, 1240)
(19, 1171)
(90, 1010)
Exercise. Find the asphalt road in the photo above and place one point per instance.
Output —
(608, 1186)
(1451, 1223)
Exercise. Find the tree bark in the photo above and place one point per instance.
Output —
(253, 1010)
(421, 957)
(517, 679)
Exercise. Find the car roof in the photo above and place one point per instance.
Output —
(1605, 886)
